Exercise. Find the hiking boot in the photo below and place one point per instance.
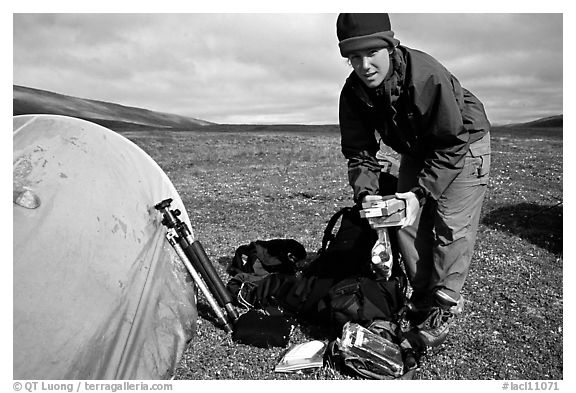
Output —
(434, 329)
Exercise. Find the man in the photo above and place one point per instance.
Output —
(413, 104)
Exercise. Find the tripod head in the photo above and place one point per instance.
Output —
(171, 221)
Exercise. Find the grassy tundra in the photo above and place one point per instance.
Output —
(246, 183)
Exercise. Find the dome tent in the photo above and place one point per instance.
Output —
(98, 292)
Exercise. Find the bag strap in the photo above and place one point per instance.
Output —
(329, 230)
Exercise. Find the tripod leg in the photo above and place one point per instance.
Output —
(214, 279)
(194, 252)
(200, 283)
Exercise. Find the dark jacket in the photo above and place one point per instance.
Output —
(420, 111)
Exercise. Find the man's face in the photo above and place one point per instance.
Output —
(371, 65)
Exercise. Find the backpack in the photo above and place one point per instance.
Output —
(346, 252)
(261, 257)
(357, 295)
(254, 262)
(358, 299)
(336, 287)
(364, 299)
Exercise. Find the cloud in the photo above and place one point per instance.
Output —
(513, 62)
(276, 67)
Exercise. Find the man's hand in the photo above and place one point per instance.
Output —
(412, 207)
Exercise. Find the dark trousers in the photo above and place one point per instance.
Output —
(437, 249)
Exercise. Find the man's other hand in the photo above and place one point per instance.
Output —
(412, 207)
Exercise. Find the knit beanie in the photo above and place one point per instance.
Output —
(364, 31)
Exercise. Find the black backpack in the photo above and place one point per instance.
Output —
(261, 257)
(363, 300)
(358, 296)
(337, 286)
(355, 294)
(346, 252)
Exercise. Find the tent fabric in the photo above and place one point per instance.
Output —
(98, 292)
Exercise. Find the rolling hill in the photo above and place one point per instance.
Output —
(34, 101)
(547, 128)
(118, 117)
(545, 122)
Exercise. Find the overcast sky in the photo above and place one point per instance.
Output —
(277, 68)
